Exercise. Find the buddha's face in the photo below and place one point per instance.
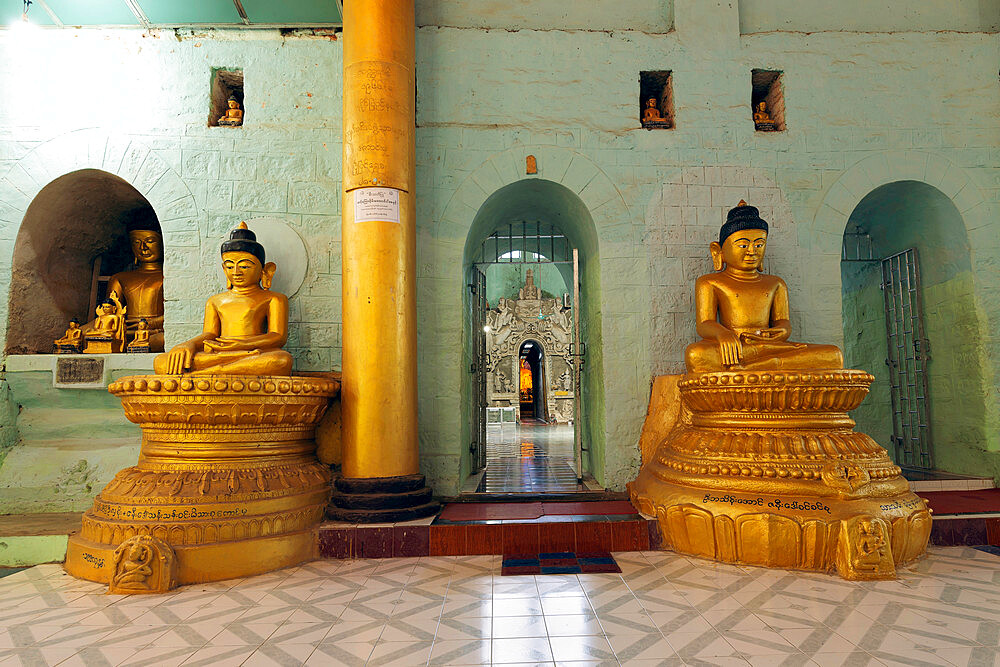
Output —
(233, 104)
(242, 269)
(147, 245)
(745, 249)
(107, 308)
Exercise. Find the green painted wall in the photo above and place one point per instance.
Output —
(503, 280)
(905, 215)
(862, 108)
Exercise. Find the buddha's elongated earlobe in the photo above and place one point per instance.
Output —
(268, 275)
(716, 251)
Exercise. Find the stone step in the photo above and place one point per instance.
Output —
(420, 538)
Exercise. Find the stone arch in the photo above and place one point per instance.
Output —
(977, 215)
(122, 156)
(887, 167)
(619, 272)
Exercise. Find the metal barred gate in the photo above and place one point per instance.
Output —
(908, 354)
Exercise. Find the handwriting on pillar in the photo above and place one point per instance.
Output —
(378, 103)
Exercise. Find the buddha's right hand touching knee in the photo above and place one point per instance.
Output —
(730, 348)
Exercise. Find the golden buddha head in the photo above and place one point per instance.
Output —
(106, 307)
(742, 240)
(74, 323)
(233, 102)
(145, 237)
(143, 324)
(243, 260)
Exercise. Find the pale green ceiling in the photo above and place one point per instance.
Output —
(176, 13)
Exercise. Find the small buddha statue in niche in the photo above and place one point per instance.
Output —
(652, 111)
(762, 119)
(234, 115)
(142, 287)
(72, 340)
(140, 343)
(105, 334)
(245, 326)
(742, 314)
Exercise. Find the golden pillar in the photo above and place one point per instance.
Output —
(379, 394)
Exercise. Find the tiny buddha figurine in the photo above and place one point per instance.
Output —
(141, 341)
(651, 112)
(762, 119)
(651, 115)
(142, 288)
(245, 326)
(742, 314)
(234, 115)
(105, 334)
(761, 464)
(72, 340)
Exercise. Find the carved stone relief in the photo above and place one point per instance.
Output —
(546, 322)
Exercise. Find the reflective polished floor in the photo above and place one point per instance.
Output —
(663, 609)
(530, 457)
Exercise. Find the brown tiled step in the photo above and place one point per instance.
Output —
(338, 540)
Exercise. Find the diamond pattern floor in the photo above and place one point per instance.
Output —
(663, 609)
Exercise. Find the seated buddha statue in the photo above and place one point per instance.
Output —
(742, 314)
(234, 115)
(142, 288)
(761, 115)
(106, 332)
(140, 342)
(245, 326)
(651, 112)
(72, 340)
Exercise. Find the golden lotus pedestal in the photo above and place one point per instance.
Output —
(766, 469)
(227, 483)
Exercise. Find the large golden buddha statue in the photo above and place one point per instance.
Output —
(227, 483)
(141, 289)
(742, 314)
(245, 326)
(760, 464)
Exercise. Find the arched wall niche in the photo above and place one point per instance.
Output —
(141, 167)
(69, 223)
(898, 216)
(977, 215)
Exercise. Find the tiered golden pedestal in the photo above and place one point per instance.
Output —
(765, 469)
(227, 483)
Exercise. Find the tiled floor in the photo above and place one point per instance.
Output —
(532, 457)
(663, 609)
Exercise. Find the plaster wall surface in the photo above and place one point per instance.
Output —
(136, 104)
(869, 15)
(860, 109)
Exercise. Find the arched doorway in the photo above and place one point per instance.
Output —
(533, 323)
(73, 234)
(909, 317)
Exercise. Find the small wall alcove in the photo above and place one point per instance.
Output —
(227, 83)
(767, 88)
(656, 99)
(74, 222)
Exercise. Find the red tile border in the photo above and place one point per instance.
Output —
(520, 538)
(593, 536)
(555, 537)
(447, 541)
(411, 541)
(362, 541)
(483, 539)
